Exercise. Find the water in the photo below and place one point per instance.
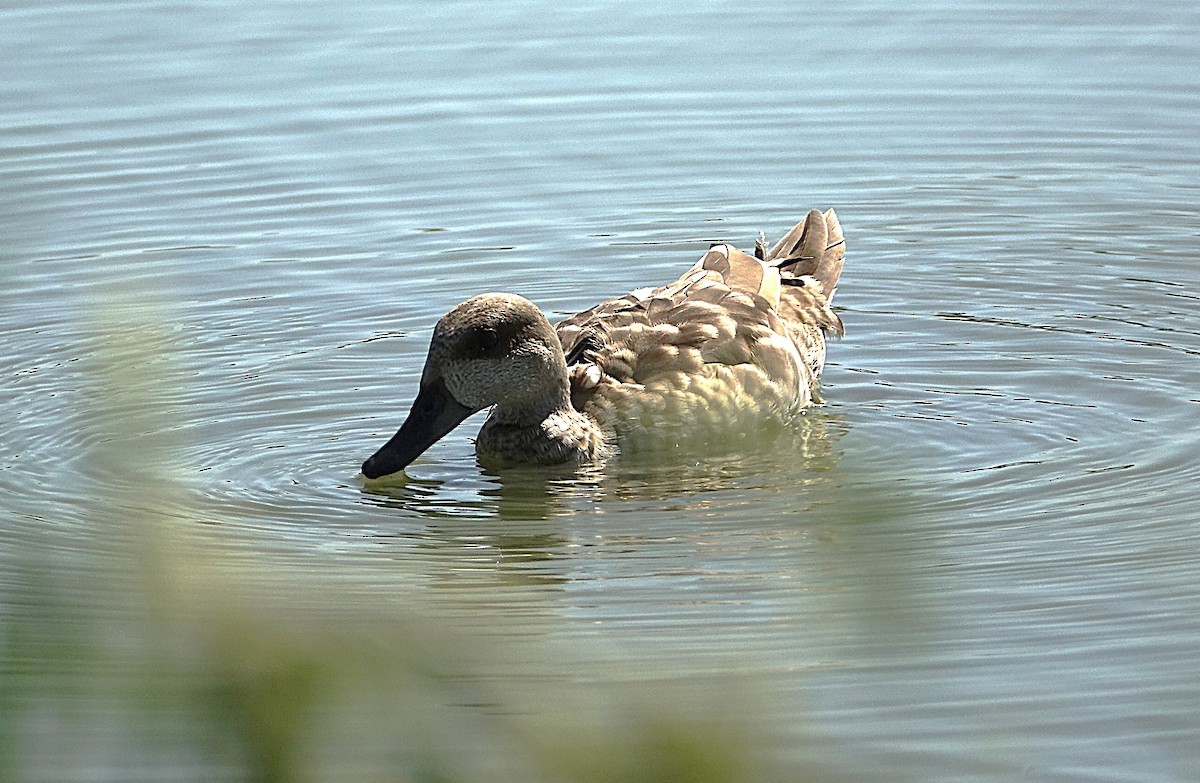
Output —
(229, 228)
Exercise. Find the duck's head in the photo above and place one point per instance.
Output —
(493, 349)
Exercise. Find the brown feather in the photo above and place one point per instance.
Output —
(729, 309)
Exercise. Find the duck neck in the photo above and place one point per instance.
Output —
(531, 413)
(547, 431)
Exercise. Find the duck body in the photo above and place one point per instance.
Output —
(737, 340)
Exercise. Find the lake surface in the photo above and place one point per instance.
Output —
(227, 229)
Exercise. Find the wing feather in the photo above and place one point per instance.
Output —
(730, 308)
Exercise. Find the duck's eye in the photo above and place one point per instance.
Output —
(487, 339)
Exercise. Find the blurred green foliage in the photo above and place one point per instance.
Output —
(137, 649)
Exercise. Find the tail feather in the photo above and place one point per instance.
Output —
(815, 247)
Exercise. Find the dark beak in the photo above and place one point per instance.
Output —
(434, 413)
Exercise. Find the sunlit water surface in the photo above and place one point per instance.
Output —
(977, 560)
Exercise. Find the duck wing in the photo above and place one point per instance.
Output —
(730, 309)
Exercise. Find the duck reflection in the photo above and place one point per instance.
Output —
(769, 459)
(492, 532)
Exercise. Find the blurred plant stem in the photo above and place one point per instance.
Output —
(135, 647)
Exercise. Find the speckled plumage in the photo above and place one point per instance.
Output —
(735, 340)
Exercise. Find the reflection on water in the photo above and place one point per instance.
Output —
(1104, 329)
(788, 459)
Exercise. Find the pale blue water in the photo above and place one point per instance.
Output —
(977, 561)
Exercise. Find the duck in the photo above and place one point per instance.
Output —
(737, 339)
